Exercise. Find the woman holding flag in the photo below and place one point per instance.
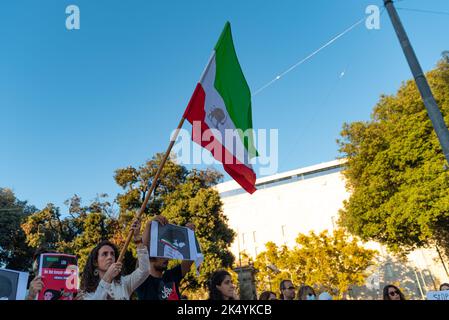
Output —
(102, 277)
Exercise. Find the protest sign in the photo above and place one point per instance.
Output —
(438, 295)
(175, 242)
(60, 276)
(13, 284)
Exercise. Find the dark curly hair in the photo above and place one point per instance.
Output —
(89, 281)
(217, 279)
(386, 296)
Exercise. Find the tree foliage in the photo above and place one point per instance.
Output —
(181, 195)
(331, 263)
(77, 233)
(396, 170)
(14, 252)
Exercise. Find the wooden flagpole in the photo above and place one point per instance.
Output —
(161, 166)
(153, 186)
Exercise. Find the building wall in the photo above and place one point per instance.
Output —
(306, 200)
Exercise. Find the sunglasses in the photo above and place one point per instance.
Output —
(289, 288)
(393, 293)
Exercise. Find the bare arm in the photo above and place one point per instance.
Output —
(185, 267)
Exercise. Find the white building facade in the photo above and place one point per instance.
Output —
(309, 199)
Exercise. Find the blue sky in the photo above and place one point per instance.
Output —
(76, 105)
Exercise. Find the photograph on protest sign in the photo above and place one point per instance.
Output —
(173, 242)
(13, 284)
(60, 276)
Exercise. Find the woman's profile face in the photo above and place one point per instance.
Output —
(227, 288)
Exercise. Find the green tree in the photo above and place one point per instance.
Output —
(330, 263)
(77, 233)
(14, 252)
(396, 171)
(273, 265)
(182, 196)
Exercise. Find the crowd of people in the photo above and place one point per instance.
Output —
(305, 292)
(103, 278)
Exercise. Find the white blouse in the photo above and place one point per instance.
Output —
(122, 290)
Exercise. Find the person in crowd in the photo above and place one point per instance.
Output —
(36, 285)
(267, 295)
(444, 286)
(162, 283)
(392, 292)
(287, 290)
(306, 293)
(102, 277)
(221, 286)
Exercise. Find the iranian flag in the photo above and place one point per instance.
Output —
(220, 112)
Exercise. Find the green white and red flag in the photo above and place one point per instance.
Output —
(220, 112)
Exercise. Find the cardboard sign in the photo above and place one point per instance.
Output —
(175, 242)
(438, 295)
(13, 284)
(60, 276)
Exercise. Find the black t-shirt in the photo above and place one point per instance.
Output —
(165, 288)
